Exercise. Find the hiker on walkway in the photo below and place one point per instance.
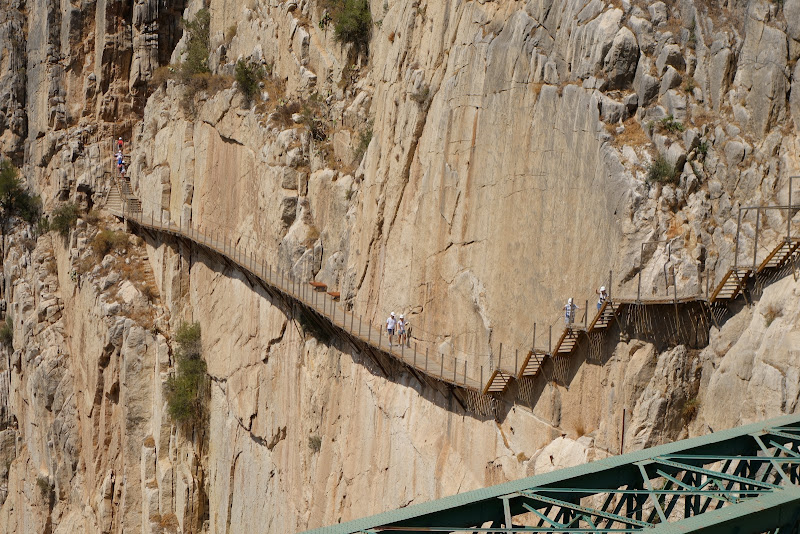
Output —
(391, 323)
(401, 330)
(569, 312)
(119, 144)
(122, 170)
(120, 159)
(603, 295)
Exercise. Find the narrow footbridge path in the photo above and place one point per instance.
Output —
(743, 480)
(477, 378)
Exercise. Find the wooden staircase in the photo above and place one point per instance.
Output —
(498, 382)
(731, 284)
(780, 255)
(532, 363)
(566, 343)
(605, 315)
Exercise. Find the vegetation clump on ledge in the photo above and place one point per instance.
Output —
(352, 22)
(64, 218)
(248, 76)
(661, 171)
(15, 200)
(187, 389)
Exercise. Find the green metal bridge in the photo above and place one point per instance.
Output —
(740, 480)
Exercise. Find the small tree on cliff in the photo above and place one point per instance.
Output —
(198, 43)
(187, 389)
(15, 200)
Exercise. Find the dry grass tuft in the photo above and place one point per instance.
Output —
(772, 312)
(633, 135)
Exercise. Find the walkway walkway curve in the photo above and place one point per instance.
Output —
(473, 377)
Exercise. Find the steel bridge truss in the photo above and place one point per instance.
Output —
(740, 480)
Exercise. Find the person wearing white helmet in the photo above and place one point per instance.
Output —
(391, 324)
(569, 312)
(603, 295)
(401, 330)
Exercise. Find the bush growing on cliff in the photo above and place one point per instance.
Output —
(352, 21)
(198, 44)
(248, 76)
(15, 200)
(187, 388)
(107, 240)
(7, 333)
(661, 171)
(64, 218)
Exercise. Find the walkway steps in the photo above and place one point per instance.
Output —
(569, 338)
(497, 383)
(731, 284)
(605, 315)
(532, 363)
(780, 255)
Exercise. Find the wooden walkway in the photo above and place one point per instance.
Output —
(469, 375)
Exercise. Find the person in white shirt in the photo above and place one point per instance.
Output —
(401, 330)
(391, 323)
(569, 312)
(603, 294)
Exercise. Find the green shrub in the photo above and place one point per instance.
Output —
(107, 240)
(248, 76)
(661, 171)
(702, 148)
(7, 333)
(352, 22)
(14, 198)
(198, 44)
(187, 388)
(671, 125)
(64, 218)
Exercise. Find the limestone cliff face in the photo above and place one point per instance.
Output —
(506, 169)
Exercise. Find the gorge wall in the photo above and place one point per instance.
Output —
(481, 162)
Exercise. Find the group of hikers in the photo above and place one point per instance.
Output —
(398, 327)
(570, 308)
(120, 158)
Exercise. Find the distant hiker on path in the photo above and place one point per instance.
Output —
(603, 294)
(401, 330)
(119, 144)
(569, 312)
(391, 323)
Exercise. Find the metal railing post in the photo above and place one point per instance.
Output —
(465, 372)
(426, 360)
(789, 211)
(586, 315)
(755, 243)
(441, 367)
(500, 357)
(359, 326)
(516, 360)
(550, 340)
(415, 354)
(736, 249)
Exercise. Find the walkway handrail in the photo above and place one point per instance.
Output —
(474, 374)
